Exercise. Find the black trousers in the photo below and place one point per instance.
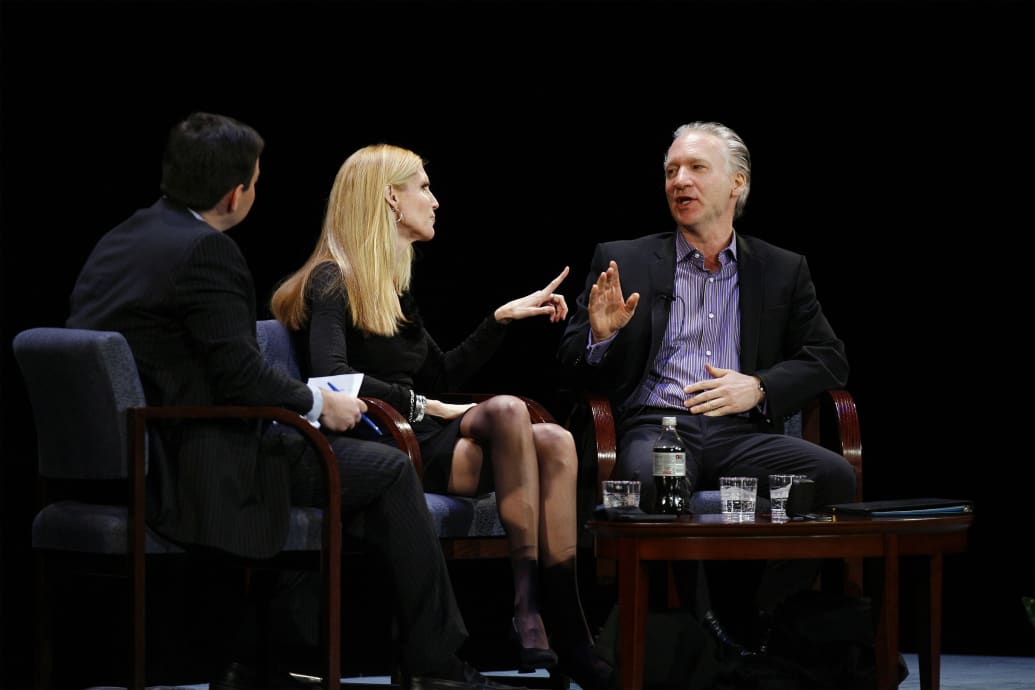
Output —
(384, 501)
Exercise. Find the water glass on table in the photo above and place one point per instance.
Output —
(621, 494)
(779, 491)
(738, 495)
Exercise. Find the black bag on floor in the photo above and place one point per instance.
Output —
(679, 652)
(819, 641)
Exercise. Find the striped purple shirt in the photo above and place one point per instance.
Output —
(703, 327)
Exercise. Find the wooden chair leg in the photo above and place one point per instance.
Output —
(44, 625)
(138, 623)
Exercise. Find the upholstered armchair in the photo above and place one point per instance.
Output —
(92, 427)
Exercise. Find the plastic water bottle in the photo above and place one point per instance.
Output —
(669, 470)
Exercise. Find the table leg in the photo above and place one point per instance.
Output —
(930, 645)
(632, 615)
(887, 626)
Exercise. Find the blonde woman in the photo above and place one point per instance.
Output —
(352, 308)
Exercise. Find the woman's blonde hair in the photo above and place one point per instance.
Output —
(359, 235)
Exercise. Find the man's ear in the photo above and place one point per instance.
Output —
(738, 183)
(232, 198)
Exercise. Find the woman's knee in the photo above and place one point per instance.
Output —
(555, 447)
(507, 408)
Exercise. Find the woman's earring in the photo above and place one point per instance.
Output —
(398, 215)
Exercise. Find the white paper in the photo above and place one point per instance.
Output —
(347, 383)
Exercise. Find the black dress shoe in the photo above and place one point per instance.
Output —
(238, 676)
(726, 643)
(764, 631)
(466, 678)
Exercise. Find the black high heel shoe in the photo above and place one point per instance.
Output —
(531, 658)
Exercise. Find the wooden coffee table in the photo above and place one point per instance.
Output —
(708, 537)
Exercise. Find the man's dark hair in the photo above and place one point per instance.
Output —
(206, 156)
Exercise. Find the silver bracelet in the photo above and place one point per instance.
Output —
(421, 403)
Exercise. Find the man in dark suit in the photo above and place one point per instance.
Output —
(720, 329)
(179, 289)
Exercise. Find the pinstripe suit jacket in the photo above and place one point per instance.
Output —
(183, 296)
(784, 336)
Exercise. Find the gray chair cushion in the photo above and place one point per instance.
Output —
(451, 517)
(90, 528)
(456, 516)
(305, 529)
(276, 347)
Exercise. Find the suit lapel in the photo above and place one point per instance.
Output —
(662, 279)
(751, 274)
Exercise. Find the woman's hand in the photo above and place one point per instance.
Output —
(437, 408)
(539, 303)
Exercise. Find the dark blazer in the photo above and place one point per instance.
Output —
(181, 293)
(784, 337)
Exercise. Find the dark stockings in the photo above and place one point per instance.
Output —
(527, 622)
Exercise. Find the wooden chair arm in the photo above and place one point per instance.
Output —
(538, 413)
(831, 420)
(392, 422)
(605, 437)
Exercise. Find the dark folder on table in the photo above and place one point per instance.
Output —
(903, 507)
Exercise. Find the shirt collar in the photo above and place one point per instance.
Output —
(683, 247)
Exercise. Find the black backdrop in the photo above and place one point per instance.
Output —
(892, 144)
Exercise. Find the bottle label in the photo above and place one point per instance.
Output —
(668, 464)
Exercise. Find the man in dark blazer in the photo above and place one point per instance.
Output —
(721, 330)
(178, 288)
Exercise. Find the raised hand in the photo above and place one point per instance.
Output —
(543, 302)
(609, 310)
